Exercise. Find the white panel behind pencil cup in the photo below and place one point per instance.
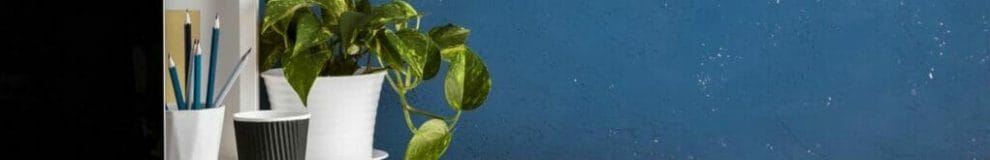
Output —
(236, 38)
(193, 134)
(343, 109)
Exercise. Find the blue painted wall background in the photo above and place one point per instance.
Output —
(764, 79)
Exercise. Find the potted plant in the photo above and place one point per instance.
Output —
(334, 56)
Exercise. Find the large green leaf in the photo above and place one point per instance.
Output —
(430, 141)
(467, 83)
(394, 11)
(308, 33)
(449, 35)
(273, 40)
(332, 9)
(351, 24)
(304, 64)
(390, 45)
(422, 54)
(280, 13)
(302, 69)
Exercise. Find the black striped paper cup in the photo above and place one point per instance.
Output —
(271, 135)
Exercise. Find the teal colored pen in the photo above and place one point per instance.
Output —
(175, 84)
(214, 42)
(198, 60)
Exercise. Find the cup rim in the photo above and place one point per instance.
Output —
(191, 110)
(270, 116)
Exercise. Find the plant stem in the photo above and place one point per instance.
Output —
(389, 77)
(409, 123)
(405, 112)
(456, 118)
(424, 113)
(410, 108)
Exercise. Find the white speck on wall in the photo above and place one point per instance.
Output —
(828, 101)
(914, 92)
(941, 24)
(714, 109)
(611, 86)
(931, 74)
(769, 146)
(575, 80)
(656, 140)
(902, 3)
(778, 2)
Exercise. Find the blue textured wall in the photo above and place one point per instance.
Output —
(765, 79)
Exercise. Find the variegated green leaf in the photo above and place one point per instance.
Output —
(422, 54)
(305, 64)
(449, 35)
(390, 45)
(332, 9)
(430, 141)
(351, 24)
(308, 33)
(467, 83)
(394, 11)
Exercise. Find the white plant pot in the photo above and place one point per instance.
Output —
(343, 109)
(193, 134)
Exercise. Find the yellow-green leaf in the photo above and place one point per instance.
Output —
(308, 33)
(450, 38)
(421, 54)
(305, 64)
(389, 46)
(351, 24)
(467, 83)
(394, 11)
(430, 141)
(333, 9)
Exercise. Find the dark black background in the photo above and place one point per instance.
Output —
(80, 79)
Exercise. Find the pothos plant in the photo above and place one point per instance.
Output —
(313, 38)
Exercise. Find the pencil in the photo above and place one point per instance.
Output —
(233, 77)
(198, 61)
(188, 41)
(214, 42)
(175, 84)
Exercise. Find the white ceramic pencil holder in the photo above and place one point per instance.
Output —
(193, 134)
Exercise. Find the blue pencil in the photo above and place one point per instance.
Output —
(215, 41)
(198, 60)
(175, 84)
